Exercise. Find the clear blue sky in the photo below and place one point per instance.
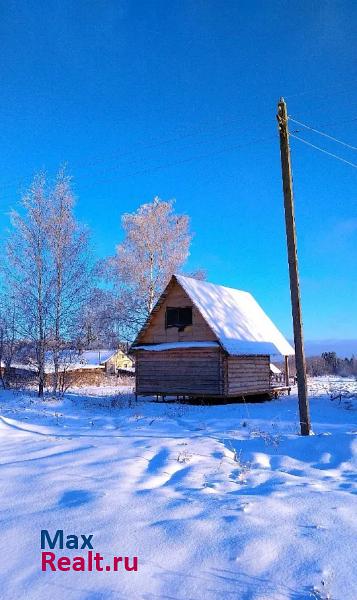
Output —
(165, 98)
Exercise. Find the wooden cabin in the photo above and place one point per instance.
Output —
(206, 340)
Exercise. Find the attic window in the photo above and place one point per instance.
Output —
(179, 317)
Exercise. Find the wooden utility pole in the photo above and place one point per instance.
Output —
(304, 410)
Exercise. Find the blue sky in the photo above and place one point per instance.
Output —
(178, 99)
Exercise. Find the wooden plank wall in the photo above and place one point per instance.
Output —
(156, 333)
(188, 371)
(247, 374)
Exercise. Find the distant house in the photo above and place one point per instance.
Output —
(112, 360)
(205, 340)
(89, 367)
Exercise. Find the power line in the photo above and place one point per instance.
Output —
(190, 159)
(199, 157)
(324, 151)
(198, 131)
(215, 153)
(195, 157)
(144, 145)
(188, 132)
(340, 121)
(330, 137)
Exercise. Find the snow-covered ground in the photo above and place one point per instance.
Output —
(219, 502)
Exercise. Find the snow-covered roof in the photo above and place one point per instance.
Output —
(240, 324)
(274, 369)
(97, 357)
(49, 366)
(177, 345)
(75, 359)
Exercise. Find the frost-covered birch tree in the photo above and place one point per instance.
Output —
(48, 269)
(156, 245)
(28, 272)
(70, 269)
(8, 334)
(101, 321)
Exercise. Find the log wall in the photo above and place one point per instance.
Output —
(246, 375)
(186, 371)
(200, 372)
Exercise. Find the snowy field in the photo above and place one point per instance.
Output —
(219, 502)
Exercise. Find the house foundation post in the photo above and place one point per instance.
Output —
(287, 374)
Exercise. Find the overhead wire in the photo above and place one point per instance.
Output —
(144, 145)
(202, 156)
(141, 145)
(190, 159)
(198, 131)
(323, 150)
(326, 135)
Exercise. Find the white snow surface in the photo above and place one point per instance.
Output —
(236, 318)
(217, 502)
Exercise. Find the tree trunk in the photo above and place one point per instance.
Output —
(40, 387)
(151, 285)
(41, 373)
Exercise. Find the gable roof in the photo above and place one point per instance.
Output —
(238, 322)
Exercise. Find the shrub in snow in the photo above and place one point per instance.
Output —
(270, 439)
(184, 457)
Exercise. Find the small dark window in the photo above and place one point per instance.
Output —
(179, 317)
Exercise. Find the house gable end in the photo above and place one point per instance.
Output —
(155, 330)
